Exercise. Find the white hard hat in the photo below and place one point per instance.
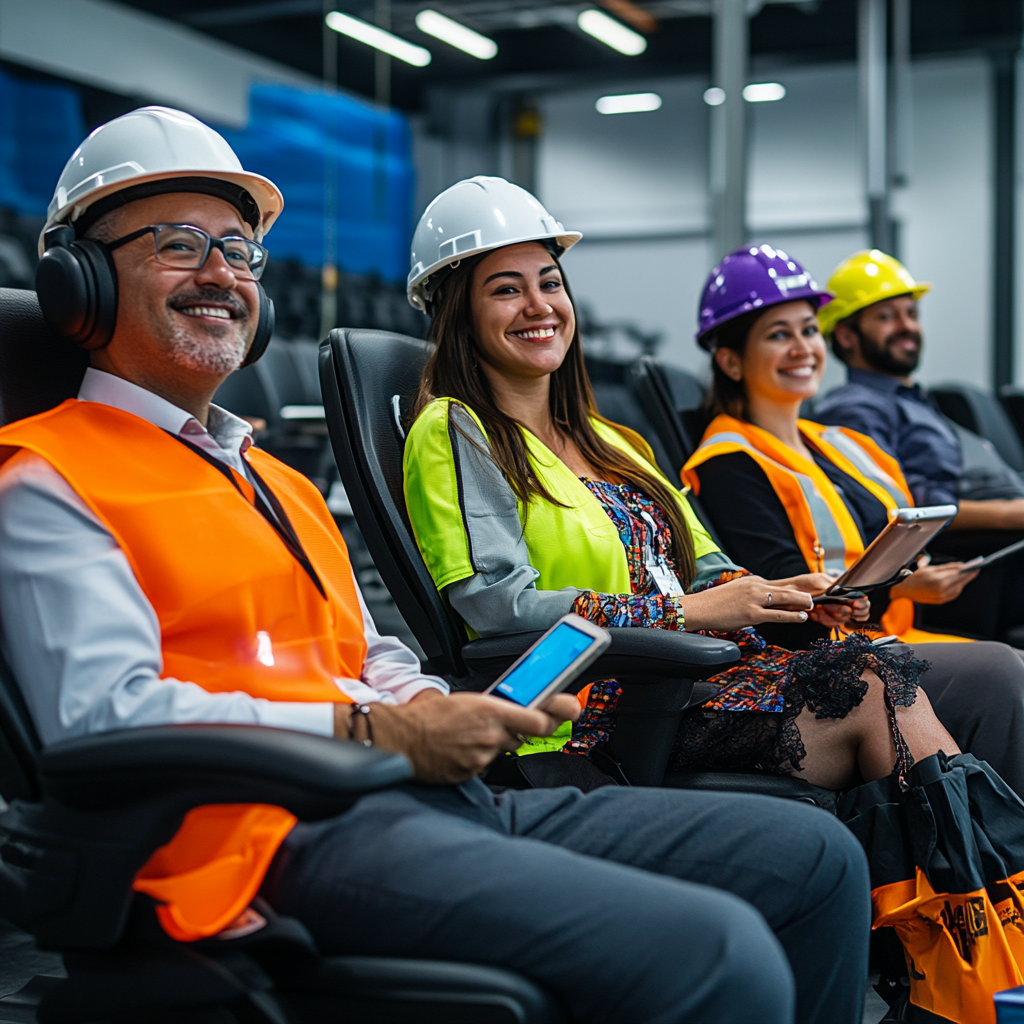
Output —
(476, 215)
(152, 145)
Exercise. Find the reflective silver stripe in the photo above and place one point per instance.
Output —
(830, 537)
(867, 466)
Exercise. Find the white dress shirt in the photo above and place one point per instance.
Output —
(81, 637)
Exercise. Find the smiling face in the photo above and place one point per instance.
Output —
(523, 320)
(183, 325)
(784, 358)
(890, 335)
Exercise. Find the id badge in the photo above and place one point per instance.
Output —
(664, 579)
(660, 572)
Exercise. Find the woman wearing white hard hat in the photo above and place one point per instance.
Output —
(526, 505)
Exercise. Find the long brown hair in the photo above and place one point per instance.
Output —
(452, 372)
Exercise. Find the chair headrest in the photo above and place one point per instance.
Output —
(38, 370)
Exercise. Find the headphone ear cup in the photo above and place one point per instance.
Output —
(264, 328)
(77, 290)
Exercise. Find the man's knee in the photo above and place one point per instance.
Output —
(741, 977)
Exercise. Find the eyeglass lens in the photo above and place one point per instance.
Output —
(187, 249)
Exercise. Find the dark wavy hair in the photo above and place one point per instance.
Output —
(452, 372)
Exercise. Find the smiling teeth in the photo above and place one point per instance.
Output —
(216, 311)
(541, 333)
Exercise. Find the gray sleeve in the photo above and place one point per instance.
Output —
(81, 637)
(502, 597)
(711, 566)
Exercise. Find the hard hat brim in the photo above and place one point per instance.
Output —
(264, 192)
(920, 288)
(414, 287)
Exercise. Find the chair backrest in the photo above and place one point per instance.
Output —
(369, 381)
(660, 389)
(37, 371)
(666, 394)
(978, 411)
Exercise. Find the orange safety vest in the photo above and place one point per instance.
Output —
(825, 531)
(237, 612)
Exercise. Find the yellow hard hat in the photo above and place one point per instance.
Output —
(861, 280)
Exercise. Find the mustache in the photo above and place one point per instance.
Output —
(905, 336)
(210, 296)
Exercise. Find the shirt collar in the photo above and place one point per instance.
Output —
(230, 432)
(878, 381)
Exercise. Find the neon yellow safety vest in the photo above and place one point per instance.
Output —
(572, 546)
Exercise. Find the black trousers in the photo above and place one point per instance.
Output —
(977, 692)
(631, 905)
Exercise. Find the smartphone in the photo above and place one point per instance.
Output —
(552, 663)
(847, 598)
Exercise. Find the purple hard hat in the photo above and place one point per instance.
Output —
(749, 278)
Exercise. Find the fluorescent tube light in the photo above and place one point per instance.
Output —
(764, 92)
(390, 44)
(714, 97)
(611, 32)
(628, 103)
(454, 34)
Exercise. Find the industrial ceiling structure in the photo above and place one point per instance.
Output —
(544, 45)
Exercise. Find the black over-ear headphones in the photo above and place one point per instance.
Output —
(76, 282)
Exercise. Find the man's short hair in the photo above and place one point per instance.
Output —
(106, 228)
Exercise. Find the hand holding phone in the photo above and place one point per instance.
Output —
(552, 663)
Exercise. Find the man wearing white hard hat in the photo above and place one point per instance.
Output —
(156, 567)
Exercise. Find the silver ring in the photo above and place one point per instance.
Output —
(769, 604)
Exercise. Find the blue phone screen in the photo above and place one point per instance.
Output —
(555, 653)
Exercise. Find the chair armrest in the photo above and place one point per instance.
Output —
(110, 800)
(309, 775)
(635, 655)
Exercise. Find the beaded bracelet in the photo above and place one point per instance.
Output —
(364, 710)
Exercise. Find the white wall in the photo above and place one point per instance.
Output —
(636, 185)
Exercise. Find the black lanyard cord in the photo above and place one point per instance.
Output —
(275, 514)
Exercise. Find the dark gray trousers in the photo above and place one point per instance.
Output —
(634, 906)
(977, 692)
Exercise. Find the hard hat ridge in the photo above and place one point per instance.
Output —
(156, 145)
(474, 216)
(864, 278)
(749, 278)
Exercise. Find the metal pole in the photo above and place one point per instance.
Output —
(329, 267)
(728, 170)
(871, 61)
(902, 96)
(1004, 82)
(382, 62)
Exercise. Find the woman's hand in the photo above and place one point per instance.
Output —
(935, 584)
(831, 615)
(745, 602)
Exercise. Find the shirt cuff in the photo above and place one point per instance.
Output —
(302, 717)
(363, 693)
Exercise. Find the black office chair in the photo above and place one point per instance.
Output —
(673, 402)
(86, 814)
(369, 380)
(977, 411)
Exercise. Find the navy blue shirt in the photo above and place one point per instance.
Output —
(902, 421)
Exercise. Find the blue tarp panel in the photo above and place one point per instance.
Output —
(40, 126)
(297, 138)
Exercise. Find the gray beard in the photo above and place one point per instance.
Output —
(211, 354)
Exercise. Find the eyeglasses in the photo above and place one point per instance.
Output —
(187, 248)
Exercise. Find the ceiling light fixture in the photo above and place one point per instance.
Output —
(364, 32)
(714, 97)
(764, 92)
(628, 103)
(455, 34)
(611, 32)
